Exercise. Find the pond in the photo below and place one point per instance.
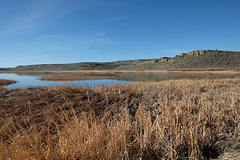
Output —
(32, 80)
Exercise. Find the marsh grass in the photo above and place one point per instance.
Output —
(181, 119)
(74, 78)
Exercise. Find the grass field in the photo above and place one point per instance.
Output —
(174, 119)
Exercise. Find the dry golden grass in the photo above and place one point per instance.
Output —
(4, 82)
(74, 78)
(181, 119)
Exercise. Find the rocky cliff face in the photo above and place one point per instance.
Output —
(201, 52)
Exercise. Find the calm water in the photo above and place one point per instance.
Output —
(27, 80)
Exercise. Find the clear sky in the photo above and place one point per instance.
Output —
(71, 31)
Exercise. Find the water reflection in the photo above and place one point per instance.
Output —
(32, 80)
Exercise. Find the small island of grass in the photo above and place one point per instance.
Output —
(4, 82)
(74, 78)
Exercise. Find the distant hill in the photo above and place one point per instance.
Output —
(201, 59)
(80, 66)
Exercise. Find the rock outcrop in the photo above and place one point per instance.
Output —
(201, 52)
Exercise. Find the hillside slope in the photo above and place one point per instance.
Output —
(80, 66)
(193, 60)
(201, 59)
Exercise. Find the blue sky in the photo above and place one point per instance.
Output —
(71, 31)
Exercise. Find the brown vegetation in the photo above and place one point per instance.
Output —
(4, 82)
(199, 69)
(181, 119)
(73, 78)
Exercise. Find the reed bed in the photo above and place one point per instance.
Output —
(74, 78)
(176, 119)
